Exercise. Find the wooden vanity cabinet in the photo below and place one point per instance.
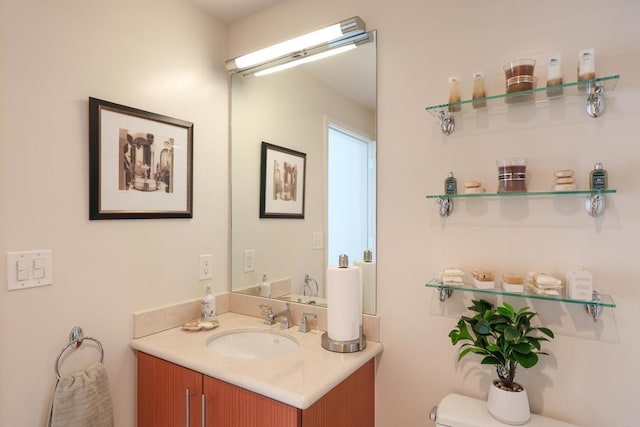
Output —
(233, 406)
(165, 390)
(349, 404)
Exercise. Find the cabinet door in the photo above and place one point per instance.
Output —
(349, 404)
(165, 391)
(231, 406)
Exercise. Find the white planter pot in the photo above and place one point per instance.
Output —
(509, 407)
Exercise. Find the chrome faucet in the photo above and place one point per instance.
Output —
(304, 322)
(271, 317)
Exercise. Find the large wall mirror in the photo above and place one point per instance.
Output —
(325, 110)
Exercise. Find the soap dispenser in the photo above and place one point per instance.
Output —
(208, 311)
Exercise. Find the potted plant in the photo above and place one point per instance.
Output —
(505, 338)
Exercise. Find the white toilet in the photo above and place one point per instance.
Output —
(456, 410)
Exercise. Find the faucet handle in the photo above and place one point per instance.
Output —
(304, 324)
(267, 311)
(286, 313)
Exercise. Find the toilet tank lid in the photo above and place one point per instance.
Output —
(455, 410)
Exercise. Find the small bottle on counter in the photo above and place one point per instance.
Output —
(450, 184)
(208, 311)
(598, 178)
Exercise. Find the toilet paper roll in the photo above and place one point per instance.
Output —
(368, 285)
(344, 303)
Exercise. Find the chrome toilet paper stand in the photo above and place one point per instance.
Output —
(351, 346)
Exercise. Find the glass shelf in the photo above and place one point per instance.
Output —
(605, 300)
(522, 194)
(582, 88)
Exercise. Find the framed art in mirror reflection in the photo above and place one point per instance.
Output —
(282, 182)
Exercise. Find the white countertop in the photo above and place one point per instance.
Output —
(298, 379)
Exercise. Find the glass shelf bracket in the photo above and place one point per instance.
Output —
(594, 205)
(593, 307)
(594, 89)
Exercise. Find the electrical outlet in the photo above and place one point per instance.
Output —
(249, 260)
(206, 267)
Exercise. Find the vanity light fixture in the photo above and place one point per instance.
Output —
(319, 44)
(304, 60)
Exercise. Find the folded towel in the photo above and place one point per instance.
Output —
(83, 399)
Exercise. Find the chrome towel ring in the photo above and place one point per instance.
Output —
(76, 337)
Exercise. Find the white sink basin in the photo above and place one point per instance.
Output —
(252, 344)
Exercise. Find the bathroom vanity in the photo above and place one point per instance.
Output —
(181, 382)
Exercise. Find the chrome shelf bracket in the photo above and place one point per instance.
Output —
(447, 122)
(444, 293)
(595, 310)
(595, 102)
(595, 204)
(446, 205)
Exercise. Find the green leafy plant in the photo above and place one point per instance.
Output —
(502, 337)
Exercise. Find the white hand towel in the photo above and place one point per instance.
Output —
(83, 399)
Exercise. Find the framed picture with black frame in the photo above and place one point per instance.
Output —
(282, 182)
(140, 163)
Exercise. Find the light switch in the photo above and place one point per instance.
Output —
(38, 273)
(29, 269)
(22, 270)
(317, 242)
(22, 275)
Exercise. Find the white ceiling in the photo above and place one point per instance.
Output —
(229, 11)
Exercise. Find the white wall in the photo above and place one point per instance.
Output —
(287, 109)
(161, 56)
(589, 382)
(168, 58)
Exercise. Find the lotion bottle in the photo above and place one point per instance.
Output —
(587, 65)
(208, 311)
(598, 178)
(479, 91)
(554, 75)
(450, 184)
(454, 94)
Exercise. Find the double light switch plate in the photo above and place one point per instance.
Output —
(29, 269)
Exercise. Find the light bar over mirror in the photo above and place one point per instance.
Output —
(329, 41)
